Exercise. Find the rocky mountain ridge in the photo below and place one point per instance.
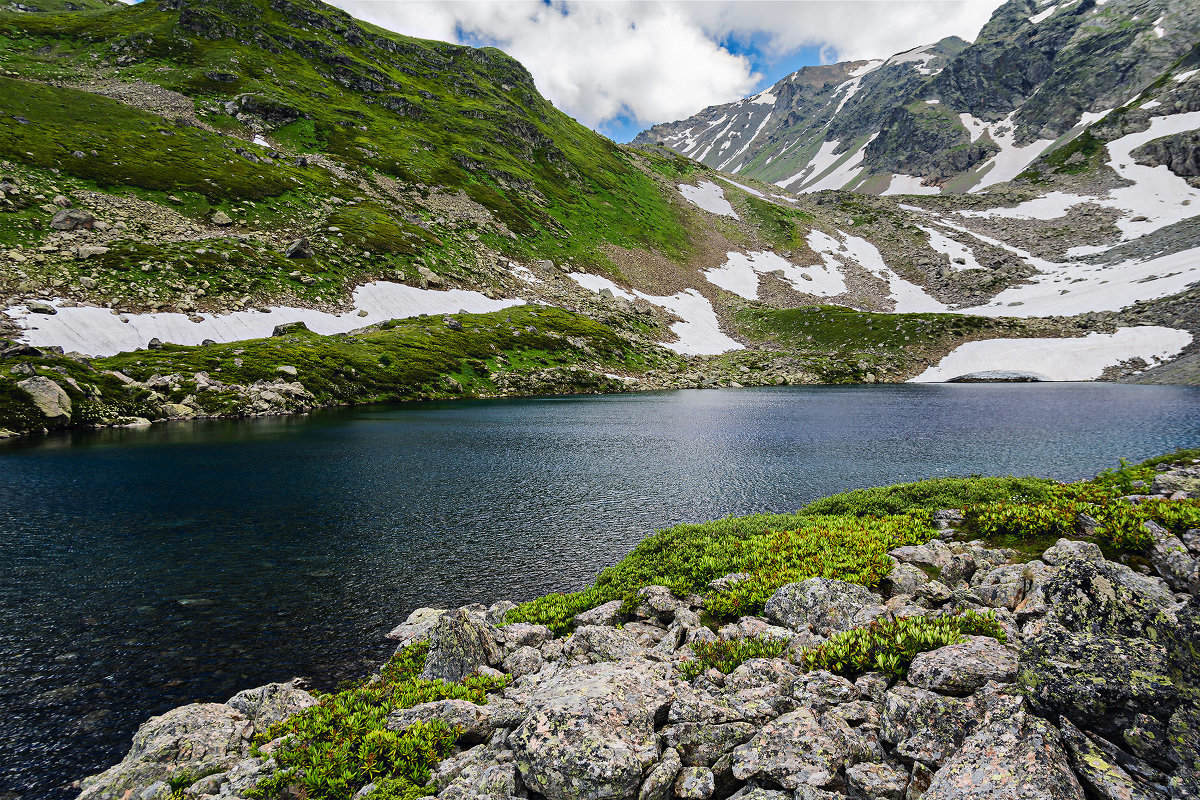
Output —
(949, 116)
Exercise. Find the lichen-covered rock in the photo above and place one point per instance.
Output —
(1171, 558)
(606, 614)
(601, 643)
(459, 645)
(417, 627)
(480, 772)
(933, 555)
(963, 668)
(661, 778)
(1106, 599)
(695, 783)
(48, 398)
(925, 726)
(524, 634)
(474, 721)
(1012, 756)
(903, 579)
(877, 781)
(198, 738)
(591, 734)
(1098, 682)
(1065, 550)
(820, 689)
(524, 661)
(1100, 775)
(821, 605)
(266, 705)
(703, 745)
(791, 751)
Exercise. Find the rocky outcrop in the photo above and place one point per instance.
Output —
(1093, 695)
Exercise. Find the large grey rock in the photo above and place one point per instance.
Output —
(474, 721)
(1012, 756)
(695, 783)
(459, 644)
(275, 702)
(659, 781)
(605, 614)
(877, 781)
(1099, 682)
(821, 605)
(963, 668)
(70, 219)
(928, 727)
(1065, 550)
(703, 745)
(933, 556)
(481, 773)
(417, 627)
(49, 399)
(200, 738)
(1105, 598)
(601, 643)
(903, 579)
(792, 751)
(1102, 776)
(1171, 559)
(591, 732)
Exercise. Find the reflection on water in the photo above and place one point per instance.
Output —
(144, 568)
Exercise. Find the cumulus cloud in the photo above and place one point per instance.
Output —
(600, 60)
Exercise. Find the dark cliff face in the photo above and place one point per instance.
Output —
(1036, 72)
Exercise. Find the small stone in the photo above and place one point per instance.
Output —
(222, 219)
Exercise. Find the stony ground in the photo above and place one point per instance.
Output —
(1092, 694)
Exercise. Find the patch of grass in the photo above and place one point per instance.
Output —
(335, 748)
(931, 495)
(890, 646)
(727, 655)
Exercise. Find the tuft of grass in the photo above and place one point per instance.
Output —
(890, 646)
(341, 744)
(931, 495)
(727, 655)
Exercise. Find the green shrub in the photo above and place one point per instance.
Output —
(341, 744)
(930, 495)
(726, 656)
(889, 647)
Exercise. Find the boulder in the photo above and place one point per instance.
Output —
(821, 605)
(600, 643)
(417, 627)
(1065, 550)
(703, 745)
(1171, 559)
(591, 733)
(199, 738)
(695, 783)
(275, 702)
(877, 781)
(40, 307)
(222, 219)
(792, 751)
(607, 614)
(963, 668)
(933, 556)
(49, 399)
(659, 781)
(524, 660)
(925, 726)
(1105, 598)
(1012, 756)
(1168, 483)
(474, 721)
(70, 219)
(1098, 682)
(288, 327)
(1100, 775)
(903, 579)
(299, 248)
(459, 645)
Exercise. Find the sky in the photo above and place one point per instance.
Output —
(620, 66)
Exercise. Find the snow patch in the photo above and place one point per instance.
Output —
(909, 184)
(699, 331)
(1183, 76)
(739, 274)
(523, 273)
(1042, 15)
(260, 140)
(766, 98)
(1012, 160)
(1151, 104)
(99, 332)
(710, 197)
(908, 297)
(1080, 359)
(954, 249)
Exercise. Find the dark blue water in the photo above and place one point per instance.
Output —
(148, 568)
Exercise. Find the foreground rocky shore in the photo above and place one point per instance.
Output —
(1077, 676)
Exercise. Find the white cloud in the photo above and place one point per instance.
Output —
(659, 61)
